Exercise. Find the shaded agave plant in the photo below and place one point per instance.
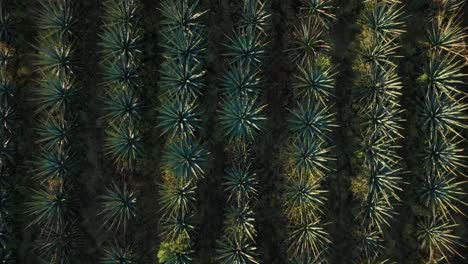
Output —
(57, 18)
(308, 259)
(241, 153)
(116, 253)
(178, 227)
(6, 24)
(121, 41)
(380, 52)
(309, 157)
(59, 245)
(124, 12)
(240, 183)
(237, 250)
(370, 244)
(123, 73)
(443, 154)
(56, 165)
(384, 120)
(55, 93)
(185, 160)
(446, 35)
(7, 256)
(320, 9)
(181, 15)
(118, 206)
(254, 15)
(241, 80)
(303, 199)
(7, 116)
(379, 150)
(311, 120)
(179, 118)
(444, 74)
(123, 106)
(54, 133)
(384, 19)
(246, 47)
(441, 194)
(240, 221)
(308, 41)
(308, 237)
(124, 144)
(7, 89)
(177, 198)
(49, 208)
(385, 85)
(6, 57)
(179, 258)
(384, 182)
(186, 45)
(436, 237)
(375, 213)
(241, 118)
(56, 59)
(182, 78)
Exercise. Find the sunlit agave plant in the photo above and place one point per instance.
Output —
(444, 74)
(241, 183)
(242, 118)
(370, 244)
(241, 80)
(384, 181)
(308, 41)
(186, 160)
(55, 58)
(178, 227)
(441, 194)
(177, 198)
(123, 73)
(254, 15)
(448, 7)
(179, 118)
(117, 253)
(58, 164)
(184, 45)
(384, 19)
(240, 221)
(375, 213)
(308, 237)
(385, 120)
(119, 41)
(439, 113)
(380, 52)
(309, 157)
(303, 199)
(49, 208)
(437, 238)
(379, 150)
(321, 9)
(123, 106)
(443, 154)
(246, 47)
(181, 15)
(118, 206)
(183, 78)
(237, 250)
(57, 18)
(446, 34)
(55, 93)
(311, 120)
(124, 144)
(59, 245)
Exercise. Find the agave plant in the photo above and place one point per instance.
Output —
(59, 245)
(241, 80)
(308, 41)
(444, 73)
(379, 150)
(384, 181)
(56, 165)
(376, 212)
(308, 259)
(309, 157)
(304, 199)
(384, 19)
(314, 82)
(122, 73)
(437, 238)
(240, 221)
(254, 16)
(7, 256)
(7, 116)
(237, 250)
(182, 78)
(443, 154)
(54, 133)
(241, 118)
(118, 206)
(7, 89)
(241, 153)
(123, 12)
(124, 145)
(179, 118)
(240, 183)
(55, 94)
(177, 198)
(311, 120)
(184, 45)
(121, 41)
(246, 47)
(6, 24)
(446, 35)
(179, 258)
(380, 52)
(308, 237)
(321, 9)
(49, 208)
(370, 244)
(116, 253)
(57, 18)
(6, 56)
(56, 58)
(441, 194)
(181, 15)
(178, 227)
(384, 120)
(185, 160)
(385, 85)
(123, 106)
(447, 7)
